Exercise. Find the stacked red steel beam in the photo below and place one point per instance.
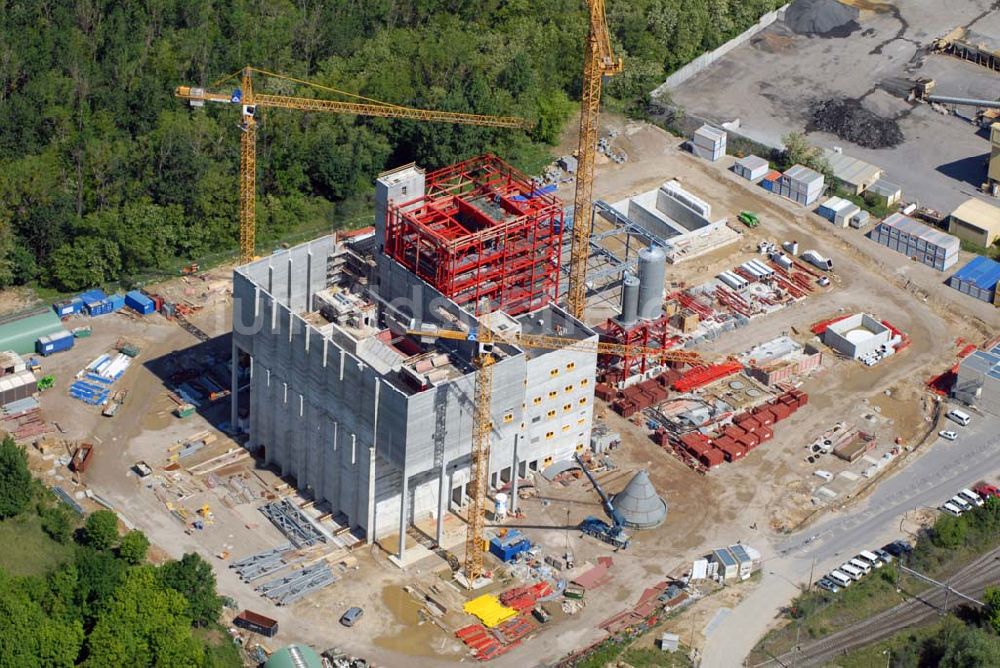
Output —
(699, 377)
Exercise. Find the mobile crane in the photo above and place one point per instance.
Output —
(482, 422)
(248, 100)
(612, 534)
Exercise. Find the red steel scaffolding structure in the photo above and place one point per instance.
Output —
(481, 230)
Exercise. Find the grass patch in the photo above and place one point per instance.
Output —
(899, 645)
(27, 550)
(220, 650)
(655, 658)
(992, 252)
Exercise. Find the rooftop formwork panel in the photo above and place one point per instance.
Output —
(481, 230)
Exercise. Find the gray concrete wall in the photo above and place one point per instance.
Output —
(706, 60)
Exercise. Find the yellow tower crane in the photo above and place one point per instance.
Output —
(249, 100)
(598, 61)
(482, 425)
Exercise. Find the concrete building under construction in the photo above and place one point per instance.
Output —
(377, 423)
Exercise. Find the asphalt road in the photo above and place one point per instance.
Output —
(925, 482)
(971, 581)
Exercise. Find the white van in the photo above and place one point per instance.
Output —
(972, 497)
(861, 565)
(951, 508)
(840, 578)
(853, 571)
(961, 503)
(870, 558)
(958, 416)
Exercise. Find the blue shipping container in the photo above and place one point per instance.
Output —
(139, 302)
(116, 302)
(63, 309)
(94, 295)
(54, 343)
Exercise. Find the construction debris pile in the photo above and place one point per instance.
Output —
(850, 121)
(825, 18)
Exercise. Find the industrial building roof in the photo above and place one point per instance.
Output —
(753, 162)
(986, 362)
(294, 656)
(851, 170)
(981, 271)
(803, 174)
(837, 204)
(919, 230)
(885, 188)
(20, 334)
(980, 214)
(723, 556)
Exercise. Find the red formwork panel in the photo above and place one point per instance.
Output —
(481, 230)
(731, 450)
(711, 457)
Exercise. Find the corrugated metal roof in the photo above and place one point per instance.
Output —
(837, 204)
(753, 162)
(979, 213)
(711, 133)
(851, 170)
(803, 174)
(885, 188)
(20, 335)
(920, 231)
(981, 272)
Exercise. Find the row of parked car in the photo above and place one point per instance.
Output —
(967, 499)
(861, 565)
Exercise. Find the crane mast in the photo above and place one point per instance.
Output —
(249, 100)
(598, 61)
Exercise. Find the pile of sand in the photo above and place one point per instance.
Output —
(827, 18)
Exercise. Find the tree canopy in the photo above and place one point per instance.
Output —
(105, 176)
(15, 479)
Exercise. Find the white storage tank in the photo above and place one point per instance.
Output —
(652, 274)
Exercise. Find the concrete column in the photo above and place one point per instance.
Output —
(513, 480)
(443, 493)
(370, 529)
(234, 390)
(404, 497)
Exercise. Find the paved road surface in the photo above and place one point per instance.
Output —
(944, 468)
(971, 581)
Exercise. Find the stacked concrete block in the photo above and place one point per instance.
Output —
(709, 143)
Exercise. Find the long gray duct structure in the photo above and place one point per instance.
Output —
(652, 274)
(639, 503)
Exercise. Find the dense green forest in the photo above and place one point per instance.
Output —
(84, 596)
(105, 176)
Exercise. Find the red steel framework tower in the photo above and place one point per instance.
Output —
(481, 230)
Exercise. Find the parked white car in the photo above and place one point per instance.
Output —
(951, 509)
(947, 434)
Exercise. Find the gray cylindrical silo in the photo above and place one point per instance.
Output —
(652, 274)
(630, 300)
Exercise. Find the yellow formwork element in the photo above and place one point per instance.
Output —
(490, 611)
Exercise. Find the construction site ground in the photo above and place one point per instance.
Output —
(770, 85)
(770, 489)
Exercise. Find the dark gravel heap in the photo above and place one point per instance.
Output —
(852, 122)
(825, 18)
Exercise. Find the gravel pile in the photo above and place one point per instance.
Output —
(852, 122)
(826, 18)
